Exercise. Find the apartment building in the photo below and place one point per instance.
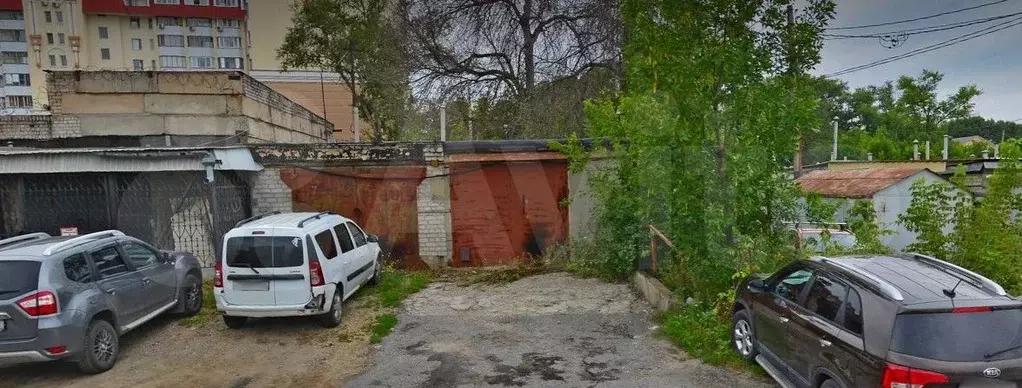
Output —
(41, 35)
(15, 75)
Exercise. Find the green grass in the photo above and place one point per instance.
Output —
(208, 312)
(398, 285)
(384, 324)
(702, 334)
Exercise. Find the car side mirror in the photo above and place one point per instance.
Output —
(758, 285)
(373, 238)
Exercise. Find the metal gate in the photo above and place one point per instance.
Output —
(171, 210)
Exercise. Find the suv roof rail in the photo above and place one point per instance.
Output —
(23, 238)
(315, 217)
(64, 245)
(886, 288)
(256, 217)
(957, 271)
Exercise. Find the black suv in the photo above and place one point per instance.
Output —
(901, 321)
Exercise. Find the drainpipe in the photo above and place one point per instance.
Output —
(927, 150)
(915, 150)
(947, 143)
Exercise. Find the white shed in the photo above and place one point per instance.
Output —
(888, 189)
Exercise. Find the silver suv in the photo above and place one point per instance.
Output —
(72, 297)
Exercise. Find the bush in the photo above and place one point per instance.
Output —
(702, 333)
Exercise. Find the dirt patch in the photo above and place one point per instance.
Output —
(265, 353)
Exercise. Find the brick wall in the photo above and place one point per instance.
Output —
(434, 203)
(36, 127)
(269, 192)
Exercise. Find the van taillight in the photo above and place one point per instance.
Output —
(897, 376)
(315, 272)
(40, 304)
(218, 278)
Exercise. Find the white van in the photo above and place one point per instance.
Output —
(291, 264)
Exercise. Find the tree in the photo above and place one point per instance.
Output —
(993, 130)
(358, 40)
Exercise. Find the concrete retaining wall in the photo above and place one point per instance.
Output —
(653, 291)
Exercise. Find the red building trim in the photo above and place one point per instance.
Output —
(117, 7)
(11, 5)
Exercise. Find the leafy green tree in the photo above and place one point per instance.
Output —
(991, 239)
(930, 212)
(863, 222)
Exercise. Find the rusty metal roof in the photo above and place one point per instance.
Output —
(854, 183)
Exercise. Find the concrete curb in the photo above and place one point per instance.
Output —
(653, 291)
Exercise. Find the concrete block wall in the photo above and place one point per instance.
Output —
(269, 192)
(25, 127)
(434, 207)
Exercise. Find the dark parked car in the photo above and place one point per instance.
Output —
(901, 321)
(72, 297)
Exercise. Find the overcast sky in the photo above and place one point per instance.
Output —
(992, 62)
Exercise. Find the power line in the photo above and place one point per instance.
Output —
(923, 30)
(936, 46)
(919, 18)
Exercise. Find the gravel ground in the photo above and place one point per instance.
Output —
(266, 353)
(542, 331)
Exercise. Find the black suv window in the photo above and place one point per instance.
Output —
(109, 262)
(853, 312)
(826, 297)
(140, 256)
(77, 269)
(959, 336)
(790, 285)
(18, 277)
(264, 252)
(327, 245)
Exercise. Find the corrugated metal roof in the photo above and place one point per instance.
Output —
(68, 160)
(853, 183)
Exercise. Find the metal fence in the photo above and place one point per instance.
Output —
(171, 210)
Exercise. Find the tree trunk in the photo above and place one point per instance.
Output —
(528, 47)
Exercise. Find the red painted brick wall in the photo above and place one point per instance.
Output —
(503, 211)
(380, 199)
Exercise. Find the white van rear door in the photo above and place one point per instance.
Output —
(248, 269)
(291, 282)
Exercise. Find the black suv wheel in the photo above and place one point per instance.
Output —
(191, 295)
(741, 336)
(100, 348)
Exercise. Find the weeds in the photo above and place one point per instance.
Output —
(208, 312)
(396, 285)
(384, 324)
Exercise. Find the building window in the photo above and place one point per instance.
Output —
(14, 57)
(60, 38)
(104, 33)
(104, 53)
(154, 64)
(48, 16)
(136, 44)
(12, 36)
(63, 60)
(139, 3)
(171, 40)
(200, 41)
(167, 2)
(200, 22)
(166, 22)
(226, 3)
(201, 62)
(172, 61)
(137, 64)
(53, 60)
(11, 15)
(49, 38)
(197, 2)
(19, 101)
(16, 79)
(228, 23)
(229, 42)
(231, 63)
(152, 44)
(134, 23)
(60, 16)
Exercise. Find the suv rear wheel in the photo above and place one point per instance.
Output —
(741, 335)
(100, 348)
(234, 322)
(333, 317)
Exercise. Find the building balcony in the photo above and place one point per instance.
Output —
(12, 24)
(118, 7)
(14, 46)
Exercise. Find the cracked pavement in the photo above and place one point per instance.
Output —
(541, 331)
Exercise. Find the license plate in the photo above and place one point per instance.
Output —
(252, 285)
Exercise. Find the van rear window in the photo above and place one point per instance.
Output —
(955, 337)
(18, 277)
(264, 252)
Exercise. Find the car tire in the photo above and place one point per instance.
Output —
(234, 322)
(100, 348)
(829, 383)
(377, 273)
(190, 295)
(742, 337)
(333, 317)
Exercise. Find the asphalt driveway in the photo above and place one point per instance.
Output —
(542, 331)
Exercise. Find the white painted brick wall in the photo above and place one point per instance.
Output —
(269, 193)
(434, 208)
